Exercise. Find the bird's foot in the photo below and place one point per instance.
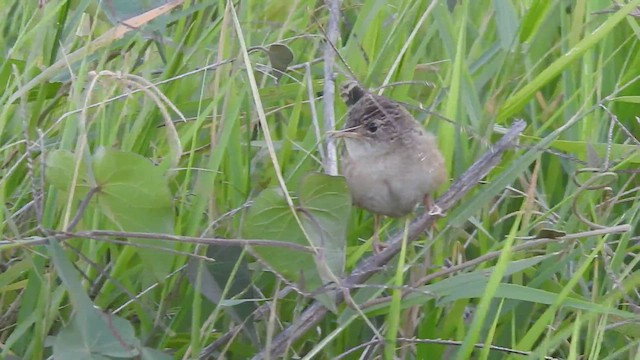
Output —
(436, 210)
(432, 208)
(379, 246)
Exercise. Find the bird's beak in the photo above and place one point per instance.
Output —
(345, 133)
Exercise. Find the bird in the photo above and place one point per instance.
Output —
(390, 162)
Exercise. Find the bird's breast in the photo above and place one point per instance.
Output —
(391, 183)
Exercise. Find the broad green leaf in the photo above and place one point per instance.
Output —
(132, 193)
(60, 167)
(131, 179)
(135, 195)
(270, 218)
(326, 206)
(324, 209)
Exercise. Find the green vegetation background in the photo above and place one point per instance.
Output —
(205, 124)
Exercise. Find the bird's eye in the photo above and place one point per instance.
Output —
(372, 127)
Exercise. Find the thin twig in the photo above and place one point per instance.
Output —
(440, 342)
(94, 234)
(316, 311)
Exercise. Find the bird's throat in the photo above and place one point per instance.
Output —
(366, 148)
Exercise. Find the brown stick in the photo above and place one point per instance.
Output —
(98, 234)
(316, 312)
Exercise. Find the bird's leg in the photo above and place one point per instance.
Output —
(378, 245)
(431, 208)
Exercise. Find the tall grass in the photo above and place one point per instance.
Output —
(177, 125)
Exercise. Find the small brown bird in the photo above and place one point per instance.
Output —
(389, 161)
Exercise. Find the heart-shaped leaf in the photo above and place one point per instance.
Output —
(61, 165)
(131, 192)
(270, 218)
(135, 195)
(134, 191)
(324, 210)
(325, 205)
(280, 56)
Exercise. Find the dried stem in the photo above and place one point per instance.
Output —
(331, 164)
(96, 234)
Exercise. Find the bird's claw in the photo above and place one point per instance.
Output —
(436, 210)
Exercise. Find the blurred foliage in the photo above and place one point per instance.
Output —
(89, 149)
